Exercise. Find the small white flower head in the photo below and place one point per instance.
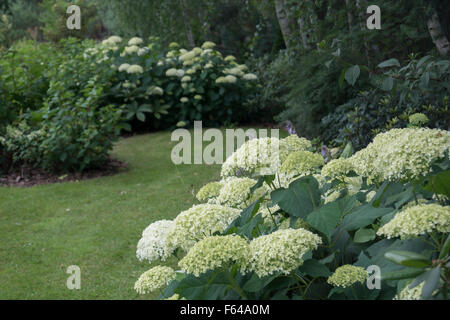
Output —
(155, 91)
(230, 79)
(417, 220)
(186, 79)
(187, 56)
(198, 222)
(208, 45)
(153, 245)
(250, 77)
(172, 72)
(134, 69)
(184, 100)
(209, 191)
(174, 46)
(337, 169)
(198, 97)
(131, 49)
(115, 39)
(298, 164)
(135, 41)
(236, 192)
(347, 275)
(180, 73)
(230, 58)
(418, 119)
(154, 279)
(281, 251)
(124, 67)
(213, 253)
(410, 294)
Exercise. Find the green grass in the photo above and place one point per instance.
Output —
(93, 224)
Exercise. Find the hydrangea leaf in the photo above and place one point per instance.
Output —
(300, 199)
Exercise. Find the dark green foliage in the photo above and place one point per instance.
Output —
(395, 93)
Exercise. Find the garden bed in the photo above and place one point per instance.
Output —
(28, 176)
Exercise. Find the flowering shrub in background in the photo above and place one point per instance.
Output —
(314, 234)
(75, 100)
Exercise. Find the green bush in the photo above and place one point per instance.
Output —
(395, 93)
(23, 77)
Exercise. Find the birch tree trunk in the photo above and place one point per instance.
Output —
(187, 23)
(284, 21)
(440, 40)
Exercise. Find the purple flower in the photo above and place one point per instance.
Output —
(325, 153)
(290, 127)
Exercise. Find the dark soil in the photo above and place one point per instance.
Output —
(28, 177)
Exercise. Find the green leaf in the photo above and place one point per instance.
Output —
(440, 183)
(407, 258)
(300, 199)
(408, 273)
(140, 116)
(431, 282)
(363, 217)
(364, 235)
(256, 283)
(445, 248)
(352, 74)
(389, 63)
(388, 84)
(314, 268)
(348, 151)
(325, 219)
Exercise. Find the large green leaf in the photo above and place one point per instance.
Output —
(364, 235)
(325, 219)
(352, 74)
(314, 268)
(389, 63)
(407, 273)
(363, 217)
(256, 283)
(408, 258)
(300, 199)
(440, 183)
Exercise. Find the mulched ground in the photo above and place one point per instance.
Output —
(28, 177)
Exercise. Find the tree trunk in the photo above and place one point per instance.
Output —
(187, 23)
(284, 21)
(301, 23)
(440, 40)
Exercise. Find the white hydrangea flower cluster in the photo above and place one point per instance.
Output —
(347, 275)
(236, 192)
(262, 156)
(198, 222)
(256, 156)
(209, 191)
(214, 252)
(153, 245)
(298, 164)
(410, 294)
(417, 220)
(281, 251)
(401, 154)
(154, 279)
(337, 169)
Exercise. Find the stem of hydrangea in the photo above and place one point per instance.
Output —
(235, 285)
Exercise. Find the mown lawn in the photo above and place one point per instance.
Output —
(93, 224)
